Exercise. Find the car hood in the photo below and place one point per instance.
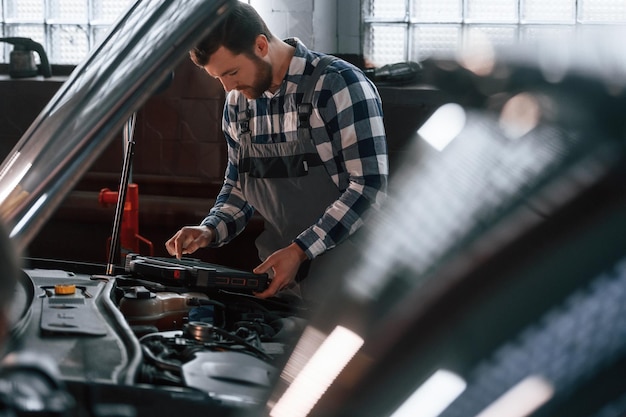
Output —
(79, 122)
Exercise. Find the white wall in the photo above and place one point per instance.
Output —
(330, 26)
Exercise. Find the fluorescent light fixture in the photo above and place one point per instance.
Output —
(444, 125)
(318, 373)
(521, 400)
(433, 396)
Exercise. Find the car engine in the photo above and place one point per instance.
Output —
(109, 336)
(227, 344)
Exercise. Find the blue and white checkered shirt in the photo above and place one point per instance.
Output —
(348, 132)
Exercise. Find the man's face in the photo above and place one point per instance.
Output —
(249, 74)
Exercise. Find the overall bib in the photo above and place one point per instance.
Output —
(285, 182)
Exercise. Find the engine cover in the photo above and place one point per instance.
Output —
(83, 332)
(230, 376)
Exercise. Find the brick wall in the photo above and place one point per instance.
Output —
(180, 152)
(178, 133)
(178, 164)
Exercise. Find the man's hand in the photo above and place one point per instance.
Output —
(189, 239)
(285, 264)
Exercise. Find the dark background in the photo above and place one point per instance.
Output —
(178, 165)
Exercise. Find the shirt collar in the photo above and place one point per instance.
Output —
(296, 66)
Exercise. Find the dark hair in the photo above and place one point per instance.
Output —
(237, 33)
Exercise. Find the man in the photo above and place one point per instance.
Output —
(312, 193)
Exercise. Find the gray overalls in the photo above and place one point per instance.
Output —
(285, 182)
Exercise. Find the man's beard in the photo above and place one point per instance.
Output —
(262, 79)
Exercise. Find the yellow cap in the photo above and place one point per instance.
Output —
(64, 289)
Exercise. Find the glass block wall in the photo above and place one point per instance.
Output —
(400, 30)
(67, 29)
(394, 30)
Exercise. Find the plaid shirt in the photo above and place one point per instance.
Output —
(348, 132)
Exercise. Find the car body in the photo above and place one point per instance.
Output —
(499, 258)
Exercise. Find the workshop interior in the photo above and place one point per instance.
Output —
(491, 283)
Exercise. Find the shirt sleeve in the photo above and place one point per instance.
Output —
(231, 212)
(350, 138)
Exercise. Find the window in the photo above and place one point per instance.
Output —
(67, 29)
(400, 30)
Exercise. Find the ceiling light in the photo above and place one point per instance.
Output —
(444, 125)
(521, 400)
(318, 373)
(433, 396)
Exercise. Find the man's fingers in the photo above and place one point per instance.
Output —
(172, 244)
(263, 267)
(177, 245)
(187, 240)
(179, 249)
(186, 244)
(270, 291)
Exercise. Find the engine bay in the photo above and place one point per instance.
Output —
(123, 332)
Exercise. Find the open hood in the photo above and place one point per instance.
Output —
(119, 75)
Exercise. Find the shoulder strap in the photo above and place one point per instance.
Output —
(243, 118)
(305, 108)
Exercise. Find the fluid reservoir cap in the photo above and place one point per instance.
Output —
(64, 289)
(139, 293)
